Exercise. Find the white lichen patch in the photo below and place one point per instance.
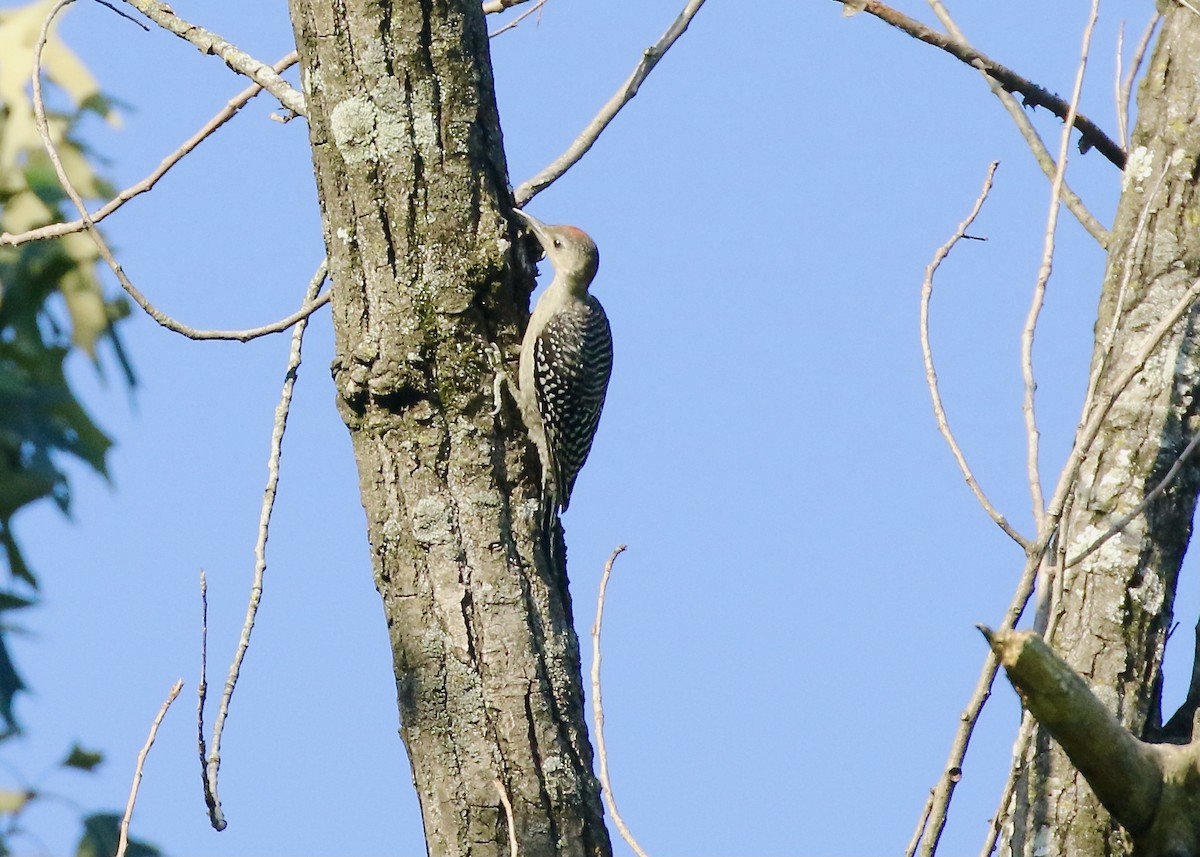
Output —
(343, 234)
(353, 125)
(1111, 554)
(431, 521)
(1138, 167)
(363, 133)
(1115, 481)
(392, 530)
(425, 132)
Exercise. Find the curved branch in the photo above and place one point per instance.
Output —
(931, 379)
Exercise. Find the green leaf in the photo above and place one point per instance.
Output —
(12, 601)
(101, 835)
(83, 760)
(10, 685)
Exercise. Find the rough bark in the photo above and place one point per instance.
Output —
(1117, 604)
(413, 188)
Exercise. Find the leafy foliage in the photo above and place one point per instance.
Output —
(52, 305)
(101, 833)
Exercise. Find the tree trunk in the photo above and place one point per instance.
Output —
(1116, 605)
(426, 273)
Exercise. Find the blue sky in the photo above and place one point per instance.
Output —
(790, 636)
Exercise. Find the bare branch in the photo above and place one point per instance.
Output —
(1125, 96)
(1043, 277)
(260, 547)
(215, 817)
(598, 709)
(650, 57)
(123, 839)
(920, 831)
(517, 20)
(235, 104)
(931, 379)
(210, 43)
(1092, 136)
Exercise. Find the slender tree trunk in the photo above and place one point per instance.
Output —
(1116, 605)
(426, 272)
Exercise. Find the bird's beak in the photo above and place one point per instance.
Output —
(535, 226)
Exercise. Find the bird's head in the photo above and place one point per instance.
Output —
(572, 252)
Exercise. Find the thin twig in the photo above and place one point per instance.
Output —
(650, 57)
(208, 42)
(920, 831)
(508, 814)
(517, 20)
(1122, 114)
(123, 839)
(1135, 64)
(210, 800)
(234, 104)
(931, 379)
(933, 821)
(1104, 403)
(598, 709)
(260, 545)
(1029, 332)
(1024, 733)
(1150, 497)
(1105, 343)
(1092, 136)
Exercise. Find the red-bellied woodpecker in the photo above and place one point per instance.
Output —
(566, 360)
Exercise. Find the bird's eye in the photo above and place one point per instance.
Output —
(557, 242)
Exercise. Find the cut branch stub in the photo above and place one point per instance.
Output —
(1152, 790)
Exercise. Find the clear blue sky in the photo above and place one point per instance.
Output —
(790, 637)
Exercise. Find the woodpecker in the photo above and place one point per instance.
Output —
(566, 360)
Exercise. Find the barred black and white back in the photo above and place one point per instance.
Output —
(572, 365)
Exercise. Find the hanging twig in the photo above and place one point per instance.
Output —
(260, 554)
(1125, 95)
